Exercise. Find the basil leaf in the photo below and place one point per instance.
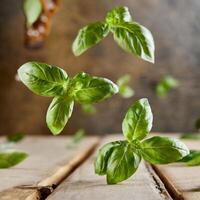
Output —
(88, 36)
(17, 137)
(134, 38)
(193, 159)
(124, 89)
(88, 108)
(58, 113)
(10, 159)
(122, 163)
(165, 85)
(138, 120)
(118, 15)
(163, 150)
(32, 11)
(104, 153)
(78, 136)
(190, 136)
(197, 124)
(43, 79)
(90, 89)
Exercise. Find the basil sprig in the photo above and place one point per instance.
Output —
(120, 159)
(129, 35)
(51, 81)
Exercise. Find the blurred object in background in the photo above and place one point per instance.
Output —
(175, 26)
(38, 15)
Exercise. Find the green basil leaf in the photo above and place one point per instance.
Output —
(90, 89)
(163, 150)
(134, 38)
(78, 136)
(103, 155)
(126, 91)
(88, 36)
(118, 15)
(17, 137)
(10, 159)
(193, 159)
(190, 136)
(43, 79)
(165, 85)
(123, 80)
(32, 11)
(122, 163)
(197, 124)
(58, 113)
(138, 120)
(89, 108)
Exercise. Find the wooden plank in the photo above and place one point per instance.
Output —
(182, 182)
(51, 159)
(83, 184)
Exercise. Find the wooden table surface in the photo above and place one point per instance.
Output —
(57, 169)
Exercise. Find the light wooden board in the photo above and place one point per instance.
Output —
(181, 180)
(83, 184)
(50, 160)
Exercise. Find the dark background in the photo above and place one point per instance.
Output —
(175, 25)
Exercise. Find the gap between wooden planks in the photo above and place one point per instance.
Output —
(47, 165)
(179, 184)
(83, 184)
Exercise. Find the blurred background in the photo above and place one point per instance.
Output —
(175, 25)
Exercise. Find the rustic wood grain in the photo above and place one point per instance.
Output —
(182, 181)
(51, 159)
(83, 184)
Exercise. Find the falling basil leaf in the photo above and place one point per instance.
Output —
(44, 79)
(124, 89)
(163, 150)
(78, 136)
(17, 137)
(135, 38)
(104, 153)
(58, 113)
(190, 136)
(88, 89)
(88, 36)
(88, 108)
(32, 11)
(138, 120)
(193, 159)
(118, 15)
(165, 85)
(122, 163)
(10, 159)
(197, 124)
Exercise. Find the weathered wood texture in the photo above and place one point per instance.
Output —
(83, 184)
(175, 26)
(182, 181)
(50, 160)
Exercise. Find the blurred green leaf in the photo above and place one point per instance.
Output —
(197, 124)
(10, 159)
(78, 136)
(88, 108)
(165, 85)
(190, 136)
(17, 137)
(124, 90)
